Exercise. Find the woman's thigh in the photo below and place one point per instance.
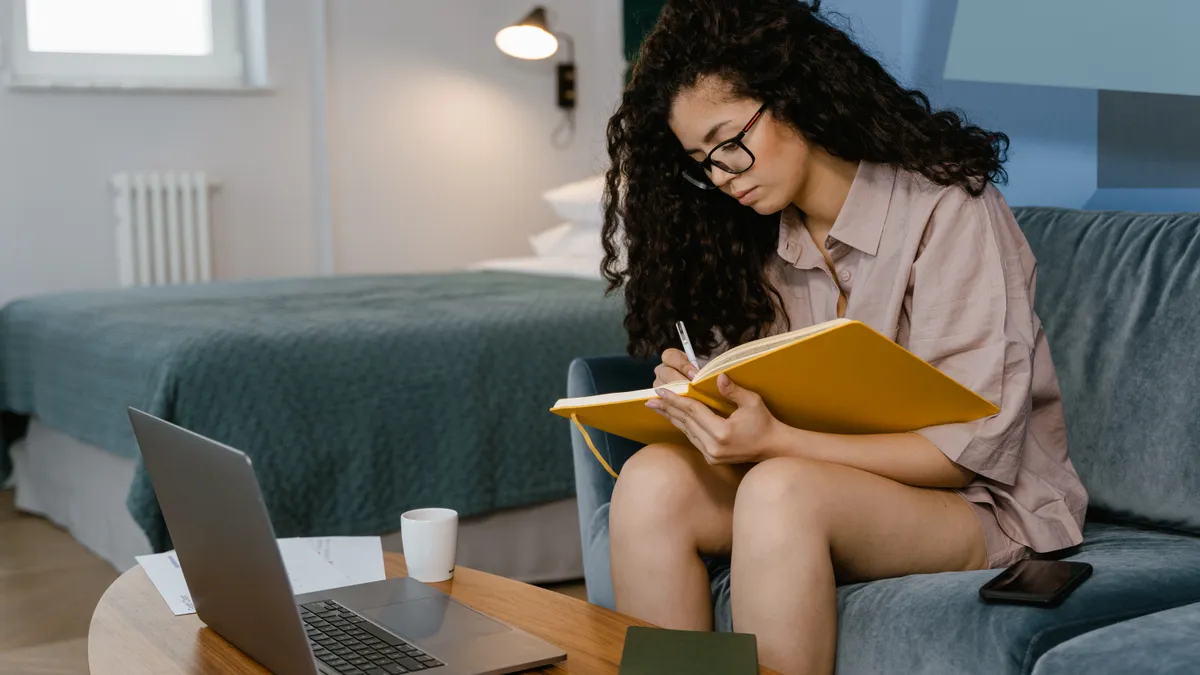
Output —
(874, 527)
(670, 491)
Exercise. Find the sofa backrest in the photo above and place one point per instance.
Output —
(1119, 296)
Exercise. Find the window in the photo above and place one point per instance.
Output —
(137, 43)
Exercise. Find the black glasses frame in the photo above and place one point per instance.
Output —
(705, 166)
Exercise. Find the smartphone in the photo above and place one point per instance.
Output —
(1044, 583)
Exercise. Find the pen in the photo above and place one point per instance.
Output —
(687, 344)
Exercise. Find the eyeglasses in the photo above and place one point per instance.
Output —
(731, 156)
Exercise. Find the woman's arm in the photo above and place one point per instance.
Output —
(753, 434)
(906, 458)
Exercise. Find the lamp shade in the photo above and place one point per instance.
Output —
(1149, 46)
(529, 38)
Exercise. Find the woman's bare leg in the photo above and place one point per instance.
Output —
(669, 507)
(801, 525)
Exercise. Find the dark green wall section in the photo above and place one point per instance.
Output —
(640, 16)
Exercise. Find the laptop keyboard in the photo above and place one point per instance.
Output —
(351, 645)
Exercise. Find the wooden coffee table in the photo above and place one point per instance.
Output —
(134, 633)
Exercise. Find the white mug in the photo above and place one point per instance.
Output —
(430, 540)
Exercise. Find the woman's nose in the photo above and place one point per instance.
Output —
(719, 177)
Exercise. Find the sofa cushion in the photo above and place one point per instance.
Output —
(1164, 643)
(596, 566)
(936, 623)
(1119, 296)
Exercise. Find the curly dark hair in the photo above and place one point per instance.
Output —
(698, 256)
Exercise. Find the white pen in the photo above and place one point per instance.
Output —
(687, 344)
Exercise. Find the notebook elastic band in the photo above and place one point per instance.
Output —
(588, 439)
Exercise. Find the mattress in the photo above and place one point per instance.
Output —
(83, 489)
(582, 267)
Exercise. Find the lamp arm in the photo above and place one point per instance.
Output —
(570, 45)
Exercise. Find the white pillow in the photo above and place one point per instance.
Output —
(579, 240)
(578, 202)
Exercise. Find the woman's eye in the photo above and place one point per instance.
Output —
(726, 151)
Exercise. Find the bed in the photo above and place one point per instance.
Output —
(357, 398)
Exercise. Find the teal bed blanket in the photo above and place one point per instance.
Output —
(357, 398)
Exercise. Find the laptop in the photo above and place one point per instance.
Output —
(227, 550)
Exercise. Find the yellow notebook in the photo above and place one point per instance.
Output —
(837, 377)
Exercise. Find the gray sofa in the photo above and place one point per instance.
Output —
(1119, 295)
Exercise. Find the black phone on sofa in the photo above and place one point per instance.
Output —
(1044, 583)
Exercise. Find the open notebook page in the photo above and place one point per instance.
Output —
(754, 348)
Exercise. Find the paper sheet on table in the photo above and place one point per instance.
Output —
(313, 564)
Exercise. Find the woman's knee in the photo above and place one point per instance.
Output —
(782, 497)
(658, 481)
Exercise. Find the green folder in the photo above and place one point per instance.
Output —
(658, 651)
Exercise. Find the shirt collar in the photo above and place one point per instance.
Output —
(859, 224)
(795, 244)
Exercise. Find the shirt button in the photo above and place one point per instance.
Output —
(845, 275)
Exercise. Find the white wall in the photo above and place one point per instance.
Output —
(439, 146)
(440, 143)
(58, 149)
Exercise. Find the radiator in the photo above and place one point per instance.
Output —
(163, 230)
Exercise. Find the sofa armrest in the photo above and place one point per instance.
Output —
(593, 485)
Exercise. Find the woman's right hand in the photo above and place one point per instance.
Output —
(674, 367)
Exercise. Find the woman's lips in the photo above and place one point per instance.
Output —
(744, 197)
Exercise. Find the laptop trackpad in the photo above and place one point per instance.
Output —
(435, 619)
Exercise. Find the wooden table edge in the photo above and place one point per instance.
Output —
(506, 600)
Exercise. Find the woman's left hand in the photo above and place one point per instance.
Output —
(745, 436)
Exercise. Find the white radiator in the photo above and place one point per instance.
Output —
(163, 227)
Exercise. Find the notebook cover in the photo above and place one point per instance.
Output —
(658, 651)
(847, 380)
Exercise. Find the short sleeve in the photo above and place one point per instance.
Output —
(972, 318)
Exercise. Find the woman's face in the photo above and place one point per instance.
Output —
(705, 115)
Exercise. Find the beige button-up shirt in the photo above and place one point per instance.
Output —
(951, 278)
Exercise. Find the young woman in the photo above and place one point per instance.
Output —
(767, 174)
